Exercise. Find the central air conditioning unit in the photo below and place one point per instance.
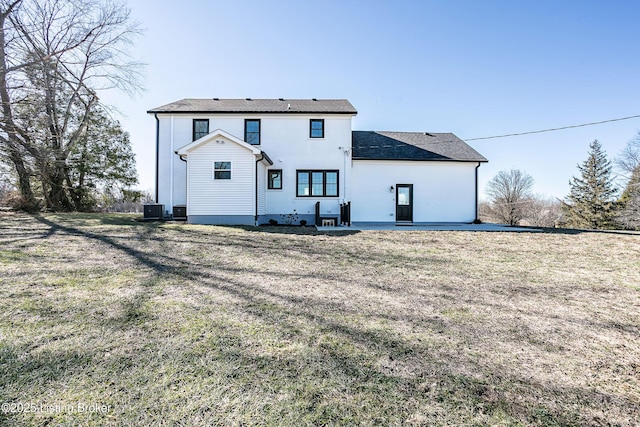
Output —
(154, 211)
(180, 212)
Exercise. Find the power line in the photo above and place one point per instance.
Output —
(555, 129)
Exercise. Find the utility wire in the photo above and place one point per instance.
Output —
(555, 129)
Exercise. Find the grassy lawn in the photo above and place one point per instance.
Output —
(174, 324)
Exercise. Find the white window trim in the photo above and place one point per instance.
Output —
(213, 170)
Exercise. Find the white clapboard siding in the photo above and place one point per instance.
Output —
(221, 197)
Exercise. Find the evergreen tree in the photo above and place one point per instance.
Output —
(590, 203)
(102, 162)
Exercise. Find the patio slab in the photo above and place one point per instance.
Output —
(357, 226)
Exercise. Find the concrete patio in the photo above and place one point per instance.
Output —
(357, 226)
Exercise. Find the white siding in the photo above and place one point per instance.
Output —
(262, 185)
(207, 196)
(442, 191)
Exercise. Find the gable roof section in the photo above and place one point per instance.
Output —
(422, 146)
(263, 106)
(184, 151)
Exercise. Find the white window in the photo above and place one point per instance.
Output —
(221, 170)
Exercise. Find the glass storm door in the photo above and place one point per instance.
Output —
(404, 202)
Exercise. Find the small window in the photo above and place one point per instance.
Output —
(316, 128)
(200, 128)
(274, 179)
(317, 183)
(221, 170)
(252, 131)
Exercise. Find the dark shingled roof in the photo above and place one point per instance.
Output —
(369, 145)
(269, 106)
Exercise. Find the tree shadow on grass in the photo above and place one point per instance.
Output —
(577, 231)
(455, 383)
(95, 218)
(299, 231)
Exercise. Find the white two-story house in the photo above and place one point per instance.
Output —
(249, 161)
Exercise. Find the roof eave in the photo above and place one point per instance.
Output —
(353, 113)
(422, 160)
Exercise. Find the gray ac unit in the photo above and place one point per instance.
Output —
(179, 212)
(154, 211)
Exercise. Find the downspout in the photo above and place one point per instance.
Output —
(477, 220)
(157, 152)
(181, 157)
(171, 166)
(257, 161)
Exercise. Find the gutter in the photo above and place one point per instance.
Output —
(157, 153)
(255, 219)
(267, 158)
(181, 156)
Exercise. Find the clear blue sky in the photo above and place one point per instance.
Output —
(474, 68)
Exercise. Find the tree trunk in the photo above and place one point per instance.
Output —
(58, 199)
(12, 143)
(29, 202)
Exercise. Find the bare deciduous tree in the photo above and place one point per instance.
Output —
(510, 192)
(56, 56)
(542, 212)
(628, 162)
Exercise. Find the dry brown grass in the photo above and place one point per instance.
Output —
(172, 324)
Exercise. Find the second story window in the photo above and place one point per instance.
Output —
(316, 128)
(200, 128)
(252, 131)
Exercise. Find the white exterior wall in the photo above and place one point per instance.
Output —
(284, 137)
(207, 196)
(164, 163)
(442, 191)
(262, 185)
(172, 172)
(286, 140)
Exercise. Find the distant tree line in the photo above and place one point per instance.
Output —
(61, 148)
(593, 202)
(513, 202)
